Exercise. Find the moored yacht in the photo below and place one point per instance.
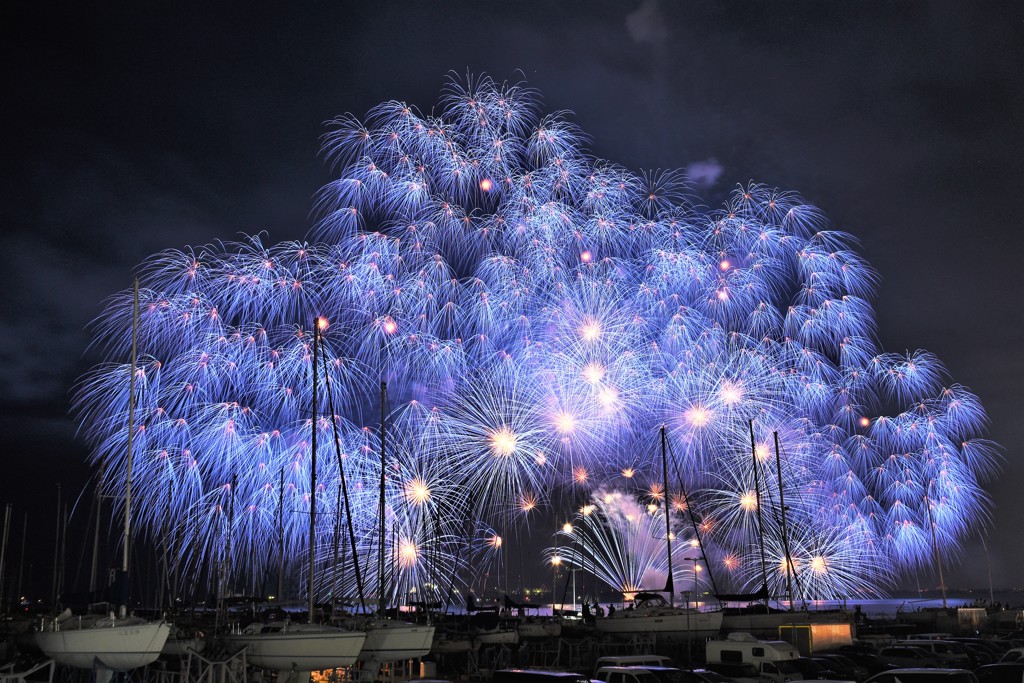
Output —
(390, 640)
(289, 646)
(650, 614)
(102, 642)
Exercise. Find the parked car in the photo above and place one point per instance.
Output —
(740, 673)
(844, 665)
(980, 656)
(640, 674)
(908, 656)
(932, 675)
(666, 674)
(632, 660)
(870, 661)
(625, 674)
(537, 676)
(945, 652)
(1008, 672)
(1014, 654)
(812, 669)
(995, 647)
(702, 676)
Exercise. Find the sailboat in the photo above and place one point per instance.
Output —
(286, 646)
(108, 643)
(388, 639)
(763, 621)
(650, 612)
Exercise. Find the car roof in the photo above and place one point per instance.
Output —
(1003, 666)
(544, 672)
(922, 671)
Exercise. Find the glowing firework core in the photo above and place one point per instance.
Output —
(417, 491)
(503, 442)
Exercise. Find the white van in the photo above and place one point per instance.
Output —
(772, 658)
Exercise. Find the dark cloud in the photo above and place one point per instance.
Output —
(646, 24)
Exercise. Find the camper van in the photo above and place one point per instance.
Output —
(771, 658)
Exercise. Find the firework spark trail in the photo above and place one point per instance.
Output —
(537, 314)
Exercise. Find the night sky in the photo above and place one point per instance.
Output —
(134, 128)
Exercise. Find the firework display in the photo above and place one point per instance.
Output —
(529, 316)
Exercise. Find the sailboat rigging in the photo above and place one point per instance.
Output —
(669, 585)
(762, 620)
(109, 643)
(387, 639)
(785, 531)
(651, 613)
(301, 648)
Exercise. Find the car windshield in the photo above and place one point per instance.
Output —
(668, 675)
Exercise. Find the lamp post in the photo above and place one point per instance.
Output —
(689, 658)
(585, 511)
(555, 561)
(696, 568)
(567, 530)
(686, 594)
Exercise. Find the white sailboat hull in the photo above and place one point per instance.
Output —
(114, 647)
(298, 647)
(666, 623)
(392, 641)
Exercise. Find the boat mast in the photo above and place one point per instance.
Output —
(696, 529)
(935, 544)
(123, 611)
(56, 553)
(669, 585)
(312, 475)
(164, 574)
(342, 493)
(757, 503)
(383, 442)
(21, 561)
(785, 534)
(3, 554)
(280, 538)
